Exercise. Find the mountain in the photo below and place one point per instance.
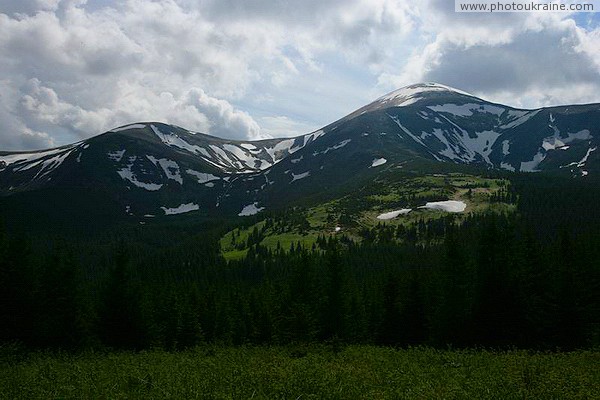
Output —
(151, 169)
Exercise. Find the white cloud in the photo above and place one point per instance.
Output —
(251, 69)
(282, 126)
(528, 60)
(224, 119)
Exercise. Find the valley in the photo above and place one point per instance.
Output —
(428, 228)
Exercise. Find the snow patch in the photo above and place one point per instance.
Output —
(116, 155)
(281, 150)
(506, 147)
(393, 214)
(250, 209)
(451, 150)
(452, 206)
(585, 158)
(23, 158)
(552, 144)
(411, 94)
(201, 176)
(521, 118)
(48, 161)
(507, 167)
(221, 154)
(482, 143)
(299, 176)
(127, 127)
(335, 147)
(171, 139)
(245, 157)
(171, 168)
(181, 209)
(127, 174)
(204, 152)
(311, 137)
(467, 110)
(377, 162)
(556, 141)
(423, 115)
(531, 166)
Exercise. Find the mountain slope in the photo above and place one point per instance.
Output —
(432, 128)
(157, 169)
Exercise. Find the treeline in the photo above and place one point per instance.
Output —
(490, 282)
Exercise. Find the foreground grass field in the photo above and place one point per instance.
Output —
(315, 372)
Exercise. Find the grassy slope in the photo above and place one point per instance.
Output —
(303, 373)
(363, 207)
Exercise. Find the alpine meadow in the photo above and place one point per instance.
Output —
(176, 233)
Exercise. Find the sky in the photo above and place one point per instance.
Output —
(252, 69)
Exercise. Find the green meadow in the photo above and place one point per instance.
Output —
(303, 372)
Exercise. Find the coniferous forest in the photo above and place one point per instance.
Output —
(528, 279)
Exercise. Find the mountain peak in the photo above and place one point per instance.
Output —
(410, 94)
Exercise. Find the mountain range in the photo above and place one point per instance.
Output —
(152, 169)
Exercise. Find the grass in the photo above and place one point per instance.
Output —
(230, 251)
(365, 205)
(286, 239)
(304, 372)
(232, 255)
(319, 216)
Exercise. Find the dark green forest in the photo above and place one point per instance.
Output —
(529, 279)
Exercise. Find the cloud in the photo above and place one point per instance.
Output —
(282, 126)
(224, 119)
(250, 69)
(44, 110)
(17, 135)
(42, 107)
(535, 60)
(76, 73)
(77, 70)
(28, 7)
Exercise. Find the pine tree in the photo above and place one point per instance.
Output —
(334, 312)
(61, 314)
(121, 322)
(17, 287)
(390, 332)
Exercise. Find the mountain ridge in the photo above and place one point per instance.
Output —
(151, 166)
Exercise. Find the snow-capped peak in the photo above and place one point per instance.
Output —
(413, 93)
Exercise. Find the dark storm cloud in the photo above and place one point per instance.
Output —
(530, 60)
